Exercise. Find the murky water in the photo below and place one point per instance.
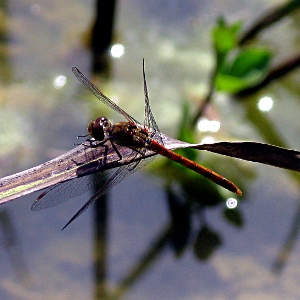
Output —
(43, 40)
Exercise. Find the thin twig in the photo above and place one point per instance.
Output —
(271, 16)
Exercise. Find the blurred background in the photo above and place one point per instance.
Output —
(163, 232)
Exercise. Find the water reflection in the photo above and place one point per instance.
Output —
(35, 9)
(140, 231)
(205, 125)
(59, 81)
(231, 203)
(13, 248)
(117, 50)
(265, 103)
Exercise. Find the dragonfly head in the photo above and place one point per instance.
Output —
(98, 128)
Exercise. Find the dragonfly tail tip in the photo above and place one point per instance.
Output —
(239, 192)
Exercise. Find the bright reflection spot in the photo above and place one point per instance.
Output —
(34, 9)
(59, 81)
(215, 126)
(117, 50)
(205, 125)
(265, 103)
(208, 140)
(231, 203)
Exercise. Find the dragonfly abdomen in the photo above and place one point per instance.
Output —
(213, 176)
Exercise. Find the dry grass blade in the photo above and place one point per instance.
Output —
(256, 152)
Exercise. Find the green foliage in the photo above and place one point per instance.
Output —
(225, 38)
(247, 68)
(207, 242)
(237, 67)
(234, 216)
(181, 222)
(186, 134)
(200, 190)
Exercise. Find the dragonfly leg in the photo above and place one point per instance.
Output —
(138, 151)
(116, 150)
(94, 144)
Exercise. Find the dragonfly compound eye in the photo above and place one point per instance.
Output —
(95, 129)
(103, 121)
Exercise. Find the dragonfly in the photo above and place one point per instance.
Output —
(131, 134)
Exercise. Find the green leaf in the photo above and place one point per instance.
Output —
(248, 61)
(207, 242)
(199, 189)
(230, 84)
(225, 38)
(185, 133)
(234, 216)
(247, 68)
(180, 212)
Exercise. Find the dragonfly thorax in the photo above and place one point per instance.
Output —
(99, 127)
(129, 134)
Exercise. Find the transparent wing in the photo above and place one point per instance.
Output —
(101, 96)
(149, 120)
(64, 191)
(115, 179)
